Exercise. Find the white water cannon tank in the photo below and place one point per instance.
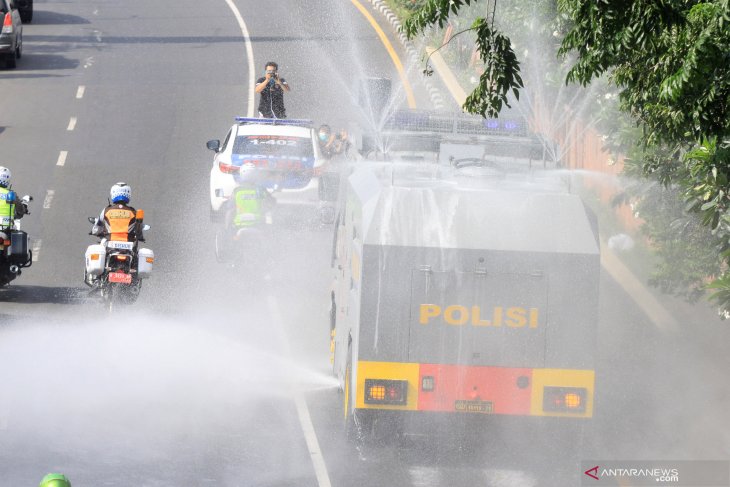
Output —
(145, 262)
(95, 259)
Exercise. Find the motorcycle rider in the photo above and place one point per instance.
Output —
(250, 198)
(9, 208)
(55, 480)
(119, 221)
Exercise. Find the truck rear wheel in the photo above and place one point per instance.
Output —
(350, 426)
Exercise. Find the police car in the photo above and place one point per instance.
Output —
(284, 150)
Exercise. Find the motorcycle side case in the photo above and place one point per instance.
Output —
(95, 259)
(18, 250)
(145, 262)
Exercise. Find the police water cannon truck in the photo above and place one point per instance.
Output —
(466, 282)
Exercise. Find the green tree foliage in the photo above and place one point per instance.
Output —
(501, 69)
(670, 58)
(687, 254)
(670, 61)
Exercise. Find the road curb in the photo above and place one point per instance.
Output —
(437, 99)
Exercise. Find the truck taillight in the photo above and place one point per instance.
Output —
(385, 391)
(564, 399)
(8, 24)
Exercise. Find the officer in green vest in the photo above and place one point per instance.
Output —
(10, 209)
(248, 198)
(248, 207)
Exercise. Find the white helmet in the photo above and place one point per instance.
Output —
(120, 193)
(247, 172)
(4, 177)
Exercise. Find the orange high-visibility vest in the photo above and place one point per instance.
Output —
(120, 221)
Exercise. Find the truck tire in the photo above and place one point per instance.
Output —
(350, 426)
(333, 326)
(358, 423)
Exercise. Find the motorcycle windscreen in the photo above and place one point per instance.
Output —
(283, 161)
(469, 318)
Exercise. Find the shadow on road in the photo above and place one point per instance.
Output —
(44, 17)
(202, 40)
(43, 294)
(21, 75)
(36, 61)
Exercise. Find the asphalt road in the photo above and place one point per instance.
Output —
(197, 384)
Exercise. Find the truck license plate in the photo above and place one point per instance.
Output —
(473, 406)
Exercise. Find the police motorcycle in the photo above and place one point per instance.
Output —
(15, 253)
(248, 215)
(117, 265)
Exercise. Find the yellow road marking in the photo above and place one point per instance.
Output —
(447, 76)
(636, 290)
(391, 52)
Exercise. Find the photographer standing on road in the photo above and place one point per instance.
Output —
(272, 89)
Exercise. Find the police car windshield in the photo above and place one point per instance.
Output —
(273, 145)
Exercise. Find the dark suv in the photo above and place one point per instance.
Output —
(11, 33)
(25, 7)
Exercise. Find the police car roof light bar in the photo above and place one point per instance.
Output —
(274, 121)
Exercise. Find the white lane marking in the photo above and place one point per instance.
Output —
(48, 199)
(97, 35)
(71, 124)
(249, 55)
(320, 468)
(37, 249)
(88, 62)
(80, 91)
(305, 420)
(95, 12)
(62, 158)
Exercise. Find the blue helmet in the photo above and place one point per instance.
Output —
(120, 193)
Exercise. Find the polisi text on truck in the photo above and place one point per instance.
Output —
(457, 315)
